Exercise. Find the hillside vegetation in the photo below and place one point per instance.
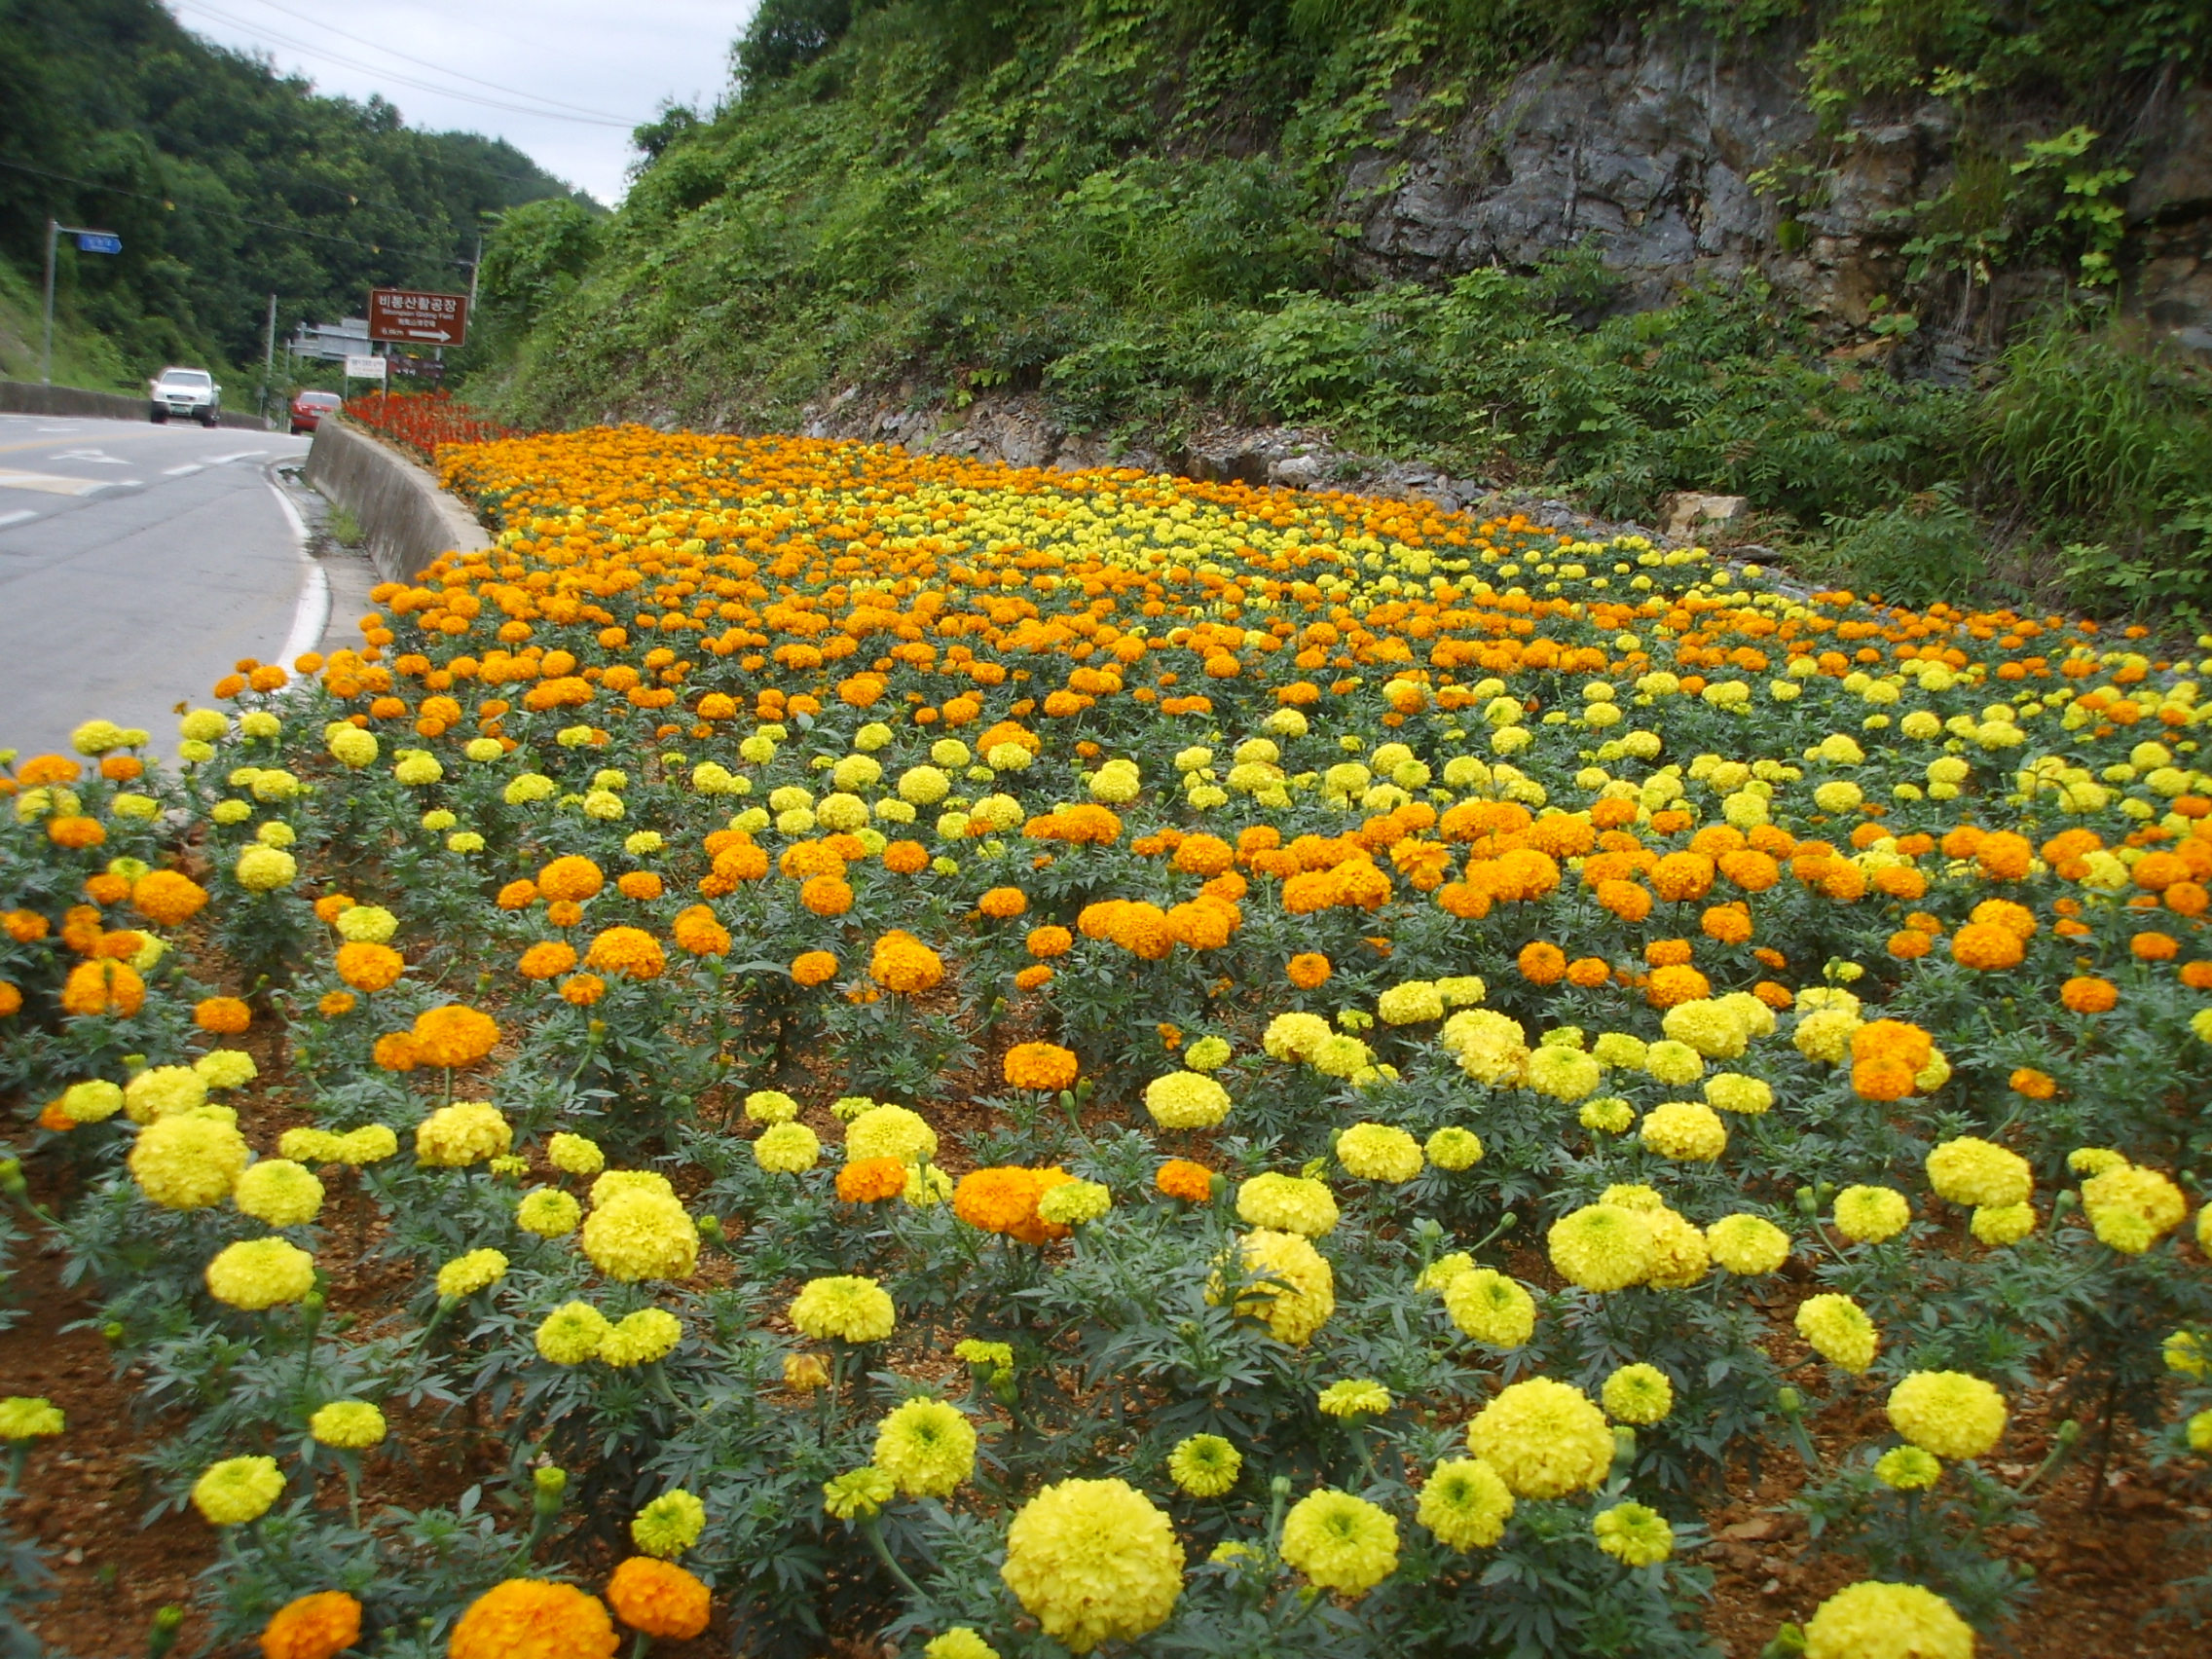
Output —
(1140, 210)
(225, 182)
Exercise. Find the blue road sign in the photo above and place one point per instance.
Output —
(99, 241)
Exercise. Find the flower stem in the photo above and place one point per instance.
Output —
(873, 1530)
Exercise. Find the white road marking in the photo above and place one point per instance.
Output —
(99, 457)
(310, 615)
(52, 484)
(241, 455)
(16, 517)
(182, 471)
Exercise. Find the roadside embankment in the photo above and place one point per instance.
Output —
(406, 520)
(31, 398)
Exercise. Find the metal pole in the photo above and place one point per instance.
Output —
(269, 352)
(46, 361)
(476, 266)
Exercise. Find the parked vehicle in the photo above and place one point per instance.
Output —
(310, 407)
(187, 393)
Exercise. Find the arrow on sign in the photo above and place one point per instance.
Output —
(427, 334)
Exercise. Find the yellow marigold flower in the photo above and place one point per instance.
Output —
(670, 1524)
(959, 1642)
(1747, 1244)
(466, 1132)
(1970, 1171)
(1633, 1535)
(1092, 1562)
(1354, 1398)
(1838, 1330)
(1948, 1412)
(2153, 1205)
(927, 1446)
(2006, 1223)
(641, 1234)
(548, 1212)
(1731, 1091)
(1490, 1308)
(857, 1494)
(1294, 1292)
(465, 1276)
(1686, 1130)
(1287, 1203)
(1072, 1204)
(1908, 1469)
(1867, 1215)
(260, 1273)
(279, 1193)
(1204, 1465)
(889, 1131)
(787, 1149)
(1294, 1036)
(1601, 1247)
(528, 1618)
(1680, 1255)
(352, 1425)
(852, 1308)
(26, 1416)
(575, 1154)
(238, 1489)
(1185, 1100)
(571, 1333)
(1874, 1620)
(1341, 1542)
(1545, 1439)
(93, 1102)
(161, 1092)
(1409, 1004)
(263, 869)
(1638, 1394)
(2188, 1353)
(1465, 1504)
(189, 1161)
(1453, 1149)
(1378, 1151)
(1713, 1028)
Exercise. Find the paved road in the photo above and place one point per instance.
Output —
(138, 563)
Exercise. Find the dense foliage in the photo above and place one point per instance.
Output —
(225, 182)
(1014, 1063)
(1141, 210)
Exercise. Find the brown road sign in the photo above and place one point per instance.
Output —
(414, 319)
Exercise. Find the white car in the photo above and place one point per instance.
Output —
(187, 393)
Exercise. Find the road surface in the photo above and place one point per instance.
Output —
(137, 563)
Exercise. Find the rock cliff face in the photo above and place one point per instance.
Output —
(1645, 141)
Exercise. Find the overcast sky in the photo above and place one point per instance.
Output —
(574, 76)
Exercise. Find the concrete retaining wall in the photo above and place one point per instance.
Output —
(407, 521)
(31, 398)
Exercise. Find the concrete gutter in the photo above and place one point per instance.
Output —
(407, 521)
(33, 397)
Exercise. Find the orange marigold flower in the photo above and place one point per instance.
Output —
(11, 999)
(2154, 947)
(631, 952)
(903, 962)
(1630, 901)
(1003, 1200)
(814, 968)
(583, 990)
(1676, 984)
(2198, 976)
(223, 1017)
(453, 1035)
(1908, 944)
(1039, 1065)
(167, 898)
(1047, 942)
(563, 913)
(528, 1618)
(1987, 946)
(1181, 1178)
(334, 1004)
(657, 1597)
(870, 1180)
(549, 959)
(52, 1119)
(2016, 919)
(699, 931)
(43, 769)
(1003, 903)
(1541, 964)
(573, 878)
(1204, 855)
(1893, 1040)
(515, 896)
(642, 885)
(827, 896)
(1667, 952)
(74, 832)
(906, 857)
(1775, 995)
(123, 945)
(1588, 971)
(105, 889)
(103, 986)
(331, 906)
(1031, 977)
(2035, 1085)
(1882, 1077)
(1730, 924)
(803, 858)
(25, 927)
(395, 1052)
(1308, 970)
(2084, 994)
(369, 967)
(320, 1625)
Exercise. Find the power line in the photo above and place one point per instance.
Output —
(404, 57)
(265, 36)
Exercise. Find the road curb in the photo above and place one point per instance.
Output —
(33, 397)
(408, 522)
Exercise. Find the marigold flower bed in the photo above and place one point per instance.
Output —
(1014, 1063)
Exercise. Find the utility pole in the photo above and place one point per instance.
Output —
(268, 357)
(46, 359)
(476, 265)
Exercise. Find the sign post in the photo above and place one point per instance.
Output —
(87, 241)
(407, 316)
(364, 368)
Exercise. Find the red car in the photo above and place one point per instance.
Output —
(311, 407)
